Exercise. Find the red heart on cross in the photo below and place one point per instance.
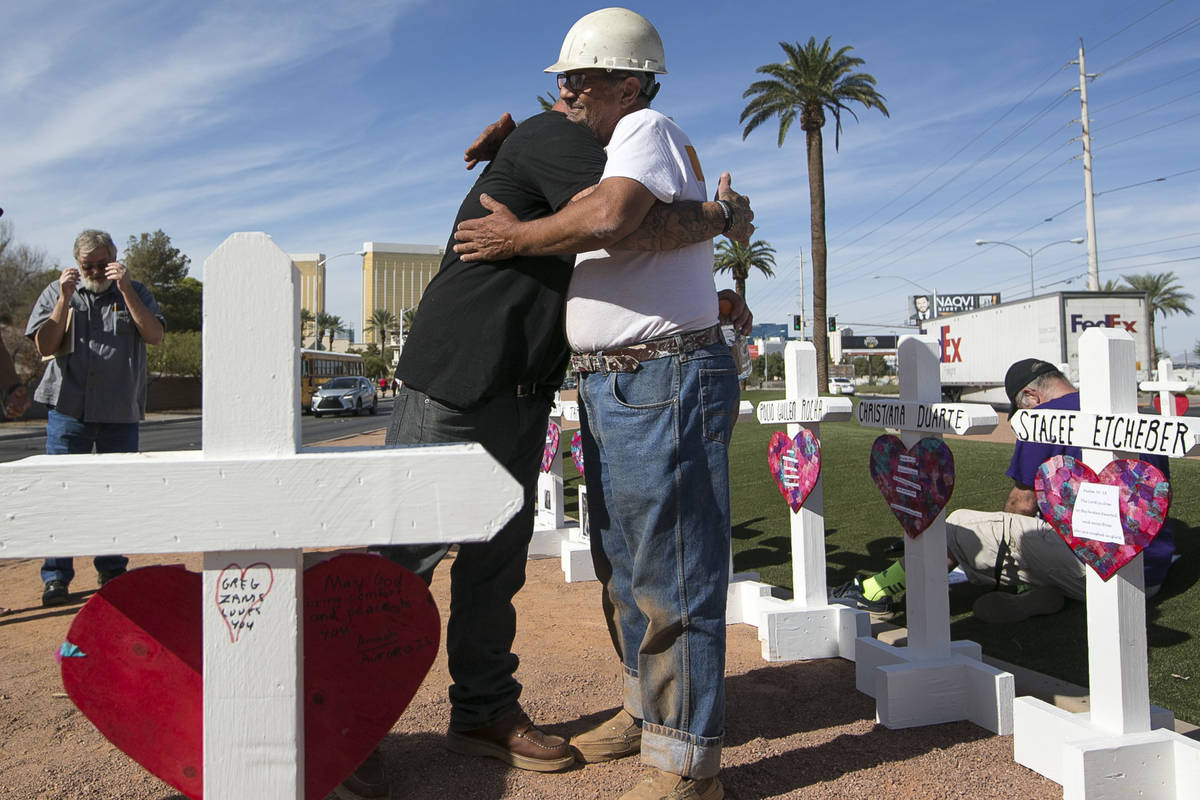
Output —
(133, 659)
(916, 483)
(1143, 497)
(1181, 404)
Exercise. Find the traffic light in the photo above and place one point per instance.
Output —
(797, 323)
(832, 324)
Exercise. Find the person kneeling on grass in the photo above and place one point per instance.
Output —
(1015, 550)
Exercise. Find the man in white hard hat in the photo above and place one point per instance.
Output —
(658, 394)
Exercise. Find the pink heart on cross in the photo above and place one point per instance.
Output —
(916, 483)
(795, 464)
(577, 452)
(550, 451)
(1143, 497)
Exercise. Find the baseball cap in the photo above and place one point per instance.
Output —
(1021, 374)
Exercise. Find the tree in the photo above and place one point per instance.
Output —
(178, 354)
(739, 259)
(407, 322)
(545, 104)
(306, 323)
(1164, 295)
(1111, 285)
(152, 260)
(812, 81)
(380, 323)
(323, 322)
(24, 273)
(333, 326)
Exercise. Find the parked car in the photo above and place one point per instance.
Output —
(348, 393)
(840, 386)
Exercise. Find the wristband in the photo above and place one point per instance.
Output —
(727, 210)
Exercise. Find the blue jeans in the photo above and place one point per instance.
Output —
(485, 575)
(67, 435)
(655, 450)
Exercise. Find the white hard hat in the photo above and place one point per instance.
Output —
(612, 38)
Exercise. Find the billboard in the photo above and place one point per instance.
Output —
(921, 306)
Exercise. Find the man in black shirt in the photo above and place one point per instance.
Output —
(482, 362)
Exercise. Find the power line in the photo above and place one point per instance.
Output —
(1149, 131)
(1159, 42)
(1130, 25)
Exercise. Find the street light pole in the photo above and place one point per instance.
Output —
(1031, 253)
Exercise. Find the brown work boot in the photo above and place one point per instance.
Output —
(369, 780)
(515, 741)
(618, 737)
(668, 786)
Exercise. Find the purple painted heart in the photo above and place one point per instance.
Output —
(916, 483)
(1143, 497)
(795, 464)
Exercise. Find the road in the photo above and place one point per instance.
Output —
(185, 434)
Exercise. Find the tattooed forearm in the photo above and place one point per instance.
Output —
(670, 226)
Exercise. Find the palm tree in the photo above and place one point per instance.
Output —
(409, 315)
(381, 322)
(322, 320)
(1112, 286)
(306, 321)
(1164, 295)
(334, 326)
(812, 81)
(737, 259)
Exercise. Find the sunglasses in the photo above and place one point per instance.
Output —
(577, 81)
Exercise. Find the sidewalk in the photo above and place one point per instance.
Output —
(29, 428)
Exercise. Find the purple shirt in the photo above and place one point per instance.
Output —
(1028, 456)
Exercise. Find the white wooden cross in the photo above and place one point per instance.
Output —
(931, 679)
(1122, 747)
(252, 496)
(1166, 385)
(807, 626)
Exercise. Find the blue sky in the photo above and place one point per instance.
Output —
(330, 124)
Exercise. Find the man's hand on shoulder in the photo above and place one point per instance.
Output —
(488, 142)
(487, 238)
(743, 215)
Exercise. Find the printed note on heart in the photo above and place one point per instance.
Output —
(133, 656)
(916, 483)
(550, 451)
(1143, 497)
(577, 451)
(795, 464)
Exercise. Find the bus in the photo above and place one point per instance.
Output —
(318, 366)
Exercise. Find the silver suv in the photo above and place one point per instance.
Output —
(347, 393)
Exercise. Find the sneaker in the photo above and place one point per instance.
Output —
(851, 594)
(1005, 608)
(103, 576)
(618, 737)
(54, 593)
(668, 786)
(515, 741)
(368, 780)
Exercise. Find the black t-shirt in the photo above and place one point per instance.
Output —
(483, 328)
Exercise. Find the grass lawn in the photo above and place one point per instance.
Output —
(859, 528)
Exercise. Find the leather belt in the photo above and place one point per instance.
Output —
(627, 359)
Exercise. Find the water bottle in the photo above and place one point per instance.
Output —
(739, 346)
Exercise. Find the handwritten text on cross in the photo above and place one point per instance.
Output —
(1139, 433)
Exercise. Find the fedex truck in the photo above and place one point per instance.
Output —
(979, 346)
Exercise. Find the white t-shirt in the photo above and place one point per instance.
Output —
(622, 297)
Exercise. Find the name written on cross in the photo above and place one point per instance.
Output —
(1139, 433)
(958, 418)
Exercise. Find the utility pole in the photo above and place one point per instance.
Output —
(1088, 199)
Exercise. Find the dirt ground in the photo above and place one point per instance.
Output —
(796, 730)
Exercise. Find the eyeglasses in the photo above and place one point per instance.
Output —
(577, 81)
(94, 264)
